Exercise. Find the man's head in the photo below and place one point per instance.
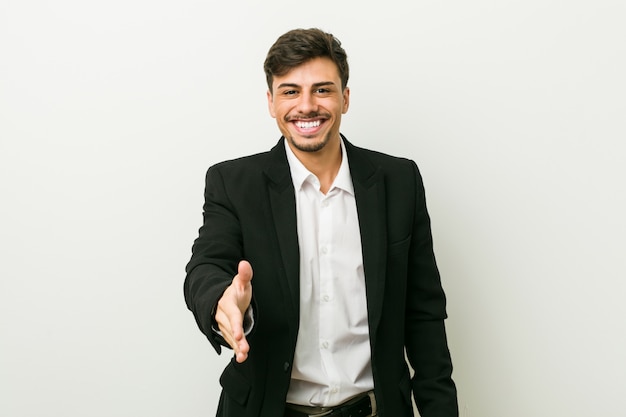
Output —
(307, 73)
(298, 46)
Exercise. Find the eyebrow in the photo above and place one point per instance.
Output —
(316, 85)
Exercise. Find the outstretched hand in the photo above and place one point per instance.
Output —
(231, 309)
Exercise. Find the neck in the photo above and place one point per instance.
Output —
(324, 164)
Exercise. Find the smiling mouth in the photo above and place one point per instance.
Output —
(302, 124)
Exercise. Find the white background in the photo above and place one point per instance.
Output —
(111, 112)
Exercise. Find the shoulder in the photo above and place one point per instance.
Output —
(390, 164)
(242, 162)
(251, 164)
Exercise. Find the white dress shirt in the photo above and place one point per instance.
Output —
(333, 358)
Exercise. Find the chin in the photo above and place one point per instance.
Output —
(307, 144)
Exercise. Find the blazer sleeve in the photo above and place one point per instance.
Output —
(215, 255)
(425, 336)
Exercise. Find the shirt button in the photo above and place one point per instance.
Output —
(286, 366)
(325, 203)
(334, 390)
(326, 298)
(324, 250)
(324, 345)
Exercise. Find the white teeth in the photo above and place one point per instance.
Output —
(308, 125)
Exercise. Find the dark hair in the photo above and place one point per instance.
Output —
(298, 46)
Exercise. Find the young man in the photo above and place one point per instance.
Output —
(338, 240)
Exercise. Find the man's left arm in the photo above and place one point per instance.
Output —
(426, 343)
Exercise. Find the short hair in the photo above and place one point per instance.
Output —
(298, 46)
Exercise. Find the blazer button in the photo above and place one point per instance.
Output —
(286, 366)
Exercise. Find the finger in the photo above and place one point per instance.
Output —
(236, 324)
(241, 354)
(238, 343)
(224, 326)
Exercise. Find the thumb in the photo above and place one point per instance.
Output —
(244, 273)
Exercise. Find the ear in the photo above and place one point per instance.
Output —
(346, 100)
(270, 104)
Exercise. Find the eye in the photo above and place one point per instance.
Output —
(289, 92)
(322, 91)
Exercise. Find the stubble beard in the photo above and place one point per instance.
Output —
(310, 146)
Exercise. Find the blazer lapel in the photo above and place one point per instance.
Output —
(283, 212)
(369, 192)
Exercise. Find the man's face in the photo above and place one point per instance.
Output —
(307, 104)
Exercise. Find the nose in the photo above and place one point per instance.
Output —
(307, 103)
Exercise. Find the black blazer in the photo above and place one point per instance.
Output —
(250, 213)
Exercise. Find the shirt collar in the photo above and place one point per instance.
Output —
(299, 173)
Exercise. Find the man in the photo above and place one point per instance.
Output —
(338, 241)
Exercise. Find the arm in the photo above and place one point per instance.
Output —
(426, 344)
(210, 289)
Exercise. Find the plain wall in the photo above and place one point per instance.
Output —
(111, 112)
